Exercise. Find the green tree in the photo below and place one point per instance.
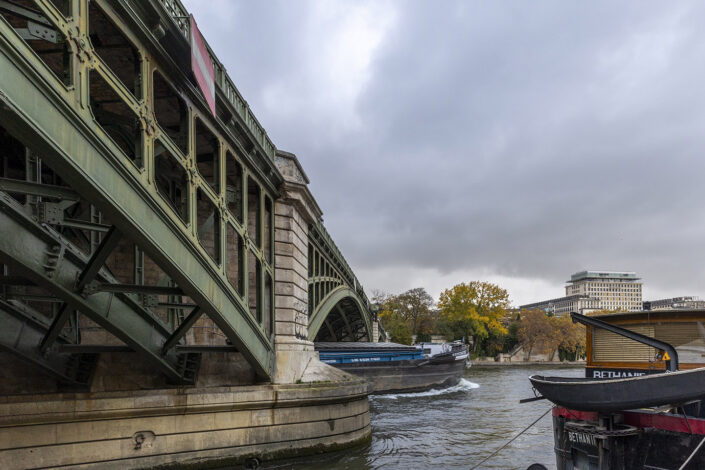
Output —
(395, 325)
(512, 323)
(414, 306)
(475, 309)
(406, 314)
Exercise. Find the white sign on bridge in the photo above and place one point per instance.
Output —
(202, 66)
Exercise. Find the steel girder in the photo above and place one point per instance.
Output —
(46, 119)
(51, 263)
(331, 285)
(20, 335)
(330, 304)
(86, 276)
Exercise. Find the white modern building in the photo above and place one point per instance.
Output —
(615, 290)
(588, 291)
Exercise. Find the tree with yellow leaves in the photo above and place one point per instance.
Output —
(474, 309)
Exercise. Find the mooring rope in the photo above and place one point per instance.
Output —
(692, 455)
(513, 439)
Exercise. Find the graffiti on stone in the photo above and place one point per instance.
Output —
(301, 326)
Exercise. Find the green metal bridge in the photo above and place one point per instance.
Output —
(135, 218)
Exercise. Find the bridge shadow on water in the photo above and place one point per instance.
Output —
(451, 429)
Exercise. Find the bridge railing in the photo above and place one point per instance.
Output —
(180, 15)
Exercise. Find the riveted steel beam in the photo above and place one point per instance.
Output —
(180, 348)
(182, 329)
(37, 189)
(139, 289)
(88, 274)
(94, 348)
(35, 252)
(329, 303)
(21, 336)
(342, 314)
(198, 348)
(36, 112)
(330, 329)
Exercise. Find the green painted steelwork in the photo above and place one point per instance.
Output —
(331, 303)
(88, 274)
(50, 262)
(57, 123)
(331, 284)
(191, 193)
(20, 334)
(227, 90)
(182, 329)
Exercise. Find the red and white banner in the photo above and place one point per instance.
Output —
(202, 66)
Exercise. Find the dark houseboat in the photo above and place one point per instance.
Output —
(642, 402)
(393, 368)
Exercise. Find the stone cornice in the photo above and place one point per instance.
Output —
(294, 189)
(300, 197)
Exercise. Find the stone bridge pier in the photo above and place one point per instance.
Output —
(294, 212)
(313, 281)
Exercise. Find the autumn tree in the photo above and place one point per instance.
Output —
(539, 332)
(414, 306)
(475, 309)
(534, 331)
(406, 314)
(390, 319)
(395, 326)
(554, 338)
(572, 335)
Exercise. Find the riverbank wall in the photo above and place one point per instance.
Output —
(184, 428)
(493, 363)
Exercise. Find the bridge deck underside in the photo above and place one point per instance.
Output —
(345, 322)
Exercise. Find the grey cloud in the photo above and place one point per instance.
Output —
(530, 138)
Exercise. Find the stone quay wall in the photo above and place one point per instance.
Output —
(180, 428)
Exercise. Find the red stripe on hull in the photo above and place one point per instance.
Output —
(641, 420)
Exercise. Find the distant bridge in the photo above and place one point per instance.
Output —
(134, 220)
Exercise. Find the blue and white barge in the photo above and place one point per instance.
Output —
(393, 368)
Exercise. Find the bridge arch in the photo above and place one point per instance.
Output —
(340, 316)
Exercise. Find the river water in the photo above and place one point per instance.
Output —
(452, 429)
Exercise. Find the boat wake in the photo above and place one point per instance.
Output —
(461, 386)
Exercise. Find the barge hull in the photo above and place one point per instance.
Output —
(407, 376)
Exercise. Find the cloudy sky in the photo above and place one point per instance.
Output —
(516, 142)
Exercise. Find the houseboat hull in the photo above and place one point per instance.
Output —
(649, 390)
(634, 440)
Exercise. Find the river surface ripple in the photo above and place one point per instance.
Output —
(452, 429)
